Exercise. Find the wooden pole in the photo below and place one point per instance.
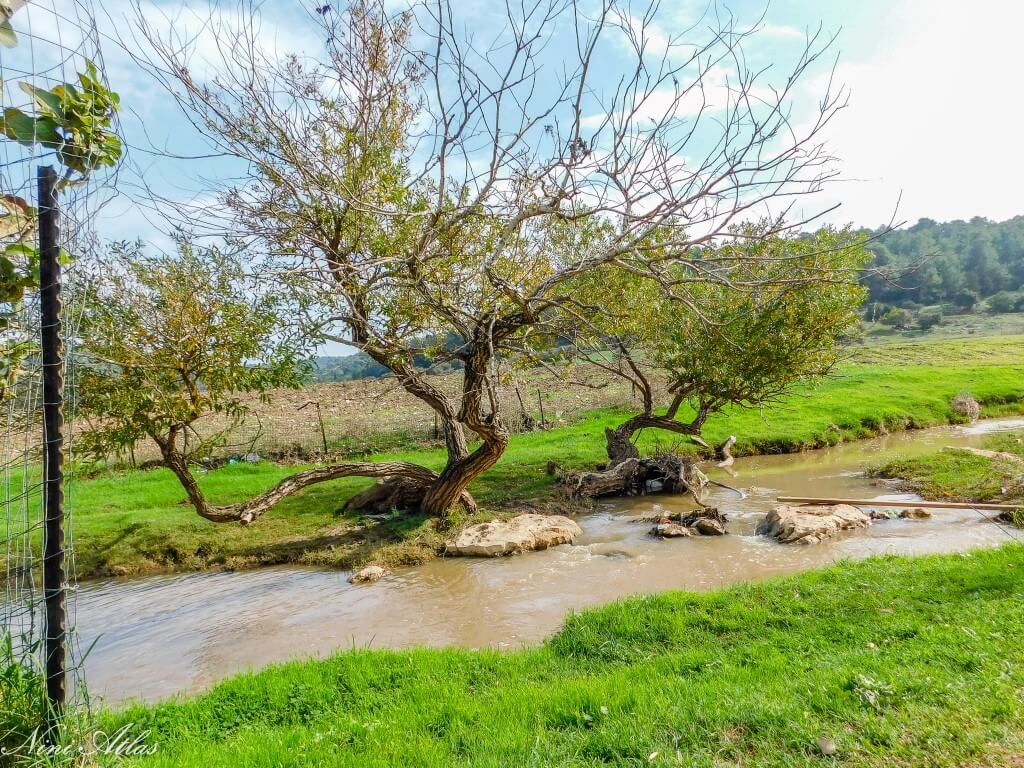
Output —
(53, 441)
(881, 503)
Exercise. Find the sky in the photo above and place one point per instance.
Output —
(932, 128)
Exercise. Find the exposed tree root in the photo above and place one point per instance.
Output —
(638, 477)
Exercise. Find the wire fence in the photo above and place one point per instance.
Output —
(364, 416)
(45, 45)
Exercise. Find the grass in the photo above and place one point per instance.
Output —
(898, 661)
(132, 522)
(962, 476)
(979, 324)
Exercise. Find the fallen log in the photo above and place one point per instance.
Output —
(638, 477)
(884, 503)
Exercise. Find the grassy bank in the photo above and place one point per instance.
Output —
(899, 662)
(136, 522)
(952, 475)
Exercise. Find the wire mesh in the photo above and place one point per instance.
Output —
(55, 42)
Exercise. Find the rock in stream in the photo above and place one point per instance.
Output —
(519, 534)
(812, 523)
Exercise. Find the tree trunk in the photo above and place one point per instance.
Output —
(177, 463)
(619, 443)
(451, 484)
(411, 476)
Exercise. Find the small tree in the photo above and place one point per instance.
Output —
(170, 341)
(744, 341)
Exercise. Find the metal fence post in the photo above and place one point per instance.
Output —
(53, 441)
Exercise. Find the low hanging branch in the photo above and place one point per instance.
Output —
(409, 480)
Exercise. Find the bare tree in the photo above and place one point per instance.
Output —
(426, 182)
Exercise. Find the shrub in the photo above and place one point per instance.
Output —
(1004, 301)
(21, 698)
(929, 318)
(897, 318)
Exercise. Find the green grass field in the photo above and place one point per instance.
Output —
(898, 662)
(963, 476)
(129, 522)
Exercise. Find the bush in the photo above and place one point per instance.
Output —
(897, 318)
(929, 318)
(1004, 301)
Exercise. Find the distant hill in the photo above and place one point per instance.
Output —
(959, 263)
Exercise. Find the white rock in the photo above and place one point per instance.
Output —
(670, 530)
(812, 523)
(367, 575)
(519, 534)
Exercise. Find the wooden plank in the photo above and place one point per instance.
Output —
(881, 503)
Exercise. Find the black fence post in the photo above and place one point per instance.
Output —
(53, 441)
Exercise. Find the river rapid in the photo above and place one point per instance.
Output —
(155, 637)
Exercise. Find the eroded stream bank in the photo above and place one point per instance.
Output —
(162, 635)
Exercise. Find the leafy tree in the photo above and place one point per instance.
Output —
(170, 341)
(77, 124)
(429, 184)
(744, 342)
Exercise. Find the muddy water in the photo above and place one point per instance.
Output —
(158, 636)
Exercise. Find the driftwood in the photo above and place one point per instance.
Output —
(881, 503)
(639, 477)
(724, 452)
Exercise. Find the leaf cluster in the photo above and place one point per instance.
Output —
(76, 121)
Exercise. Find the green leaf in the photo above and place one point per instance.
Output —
(21, 249)
(7, 37)
(19, 126)
(47, 100)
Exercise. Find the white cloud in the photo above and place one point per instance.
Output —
(935, 113)
(782, 31)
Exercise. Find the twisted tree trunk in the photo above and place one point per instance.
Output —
(619, 441)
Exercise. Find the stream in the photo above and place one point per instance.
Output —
(158, 636)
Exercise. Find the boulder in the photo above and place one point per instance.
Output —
(882, 514)
(707, 522)
(669, 530)
(508, 537)
(917, 513)
(367, 575)
(708, 526)
(812, 523)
